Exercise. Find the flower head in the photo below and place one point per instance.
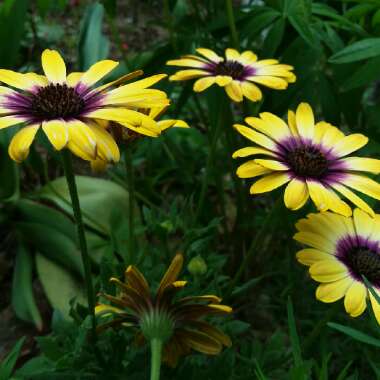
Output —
(159, 316)
(344, 249)
(311, 158)
(66, 107)
(236, 72)
(121, 134)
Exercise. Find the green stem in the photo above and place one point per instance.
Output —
(207, 175)
(70, 178)
(156, 348)
(231, 23)
(131, 208)
(253, 248)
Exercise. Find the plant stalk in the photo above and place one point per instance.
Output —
(156, 348)
(231, 23)
(70, 178)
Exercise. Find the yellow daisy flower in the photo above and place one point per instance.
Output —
(237, 73)
(159, 316)
(311, 158)
(121, 134)
(343, 250)
(65, 106)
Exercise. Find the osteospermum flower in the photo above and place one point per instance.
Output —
(121, 134)
(237, 73)
(311, 158)
(158, 315)
(65, 106)
(344, 249)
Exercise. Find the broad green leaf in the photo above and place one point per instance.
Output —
(93, 45)
(360, 10)
(23, 300)
(8, 364)
(98, 198)
(274, 38)
(364, 49)
(59, 285)
(364, 75)
(258, 22)
(355, 334)
(13, 14)
(53, 244)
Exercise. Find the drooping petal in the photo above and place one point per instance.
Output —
(82, 140)
(200, 342)
(251, 91)
(355, 300)
(19, 147)
(56, 132)
(54, 66)
(296, 194)
(234, 91)
(107, 148)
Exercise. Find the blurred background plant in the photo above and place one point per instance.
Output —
(279, 330)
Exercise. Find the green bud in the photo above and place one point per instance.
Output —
(157, 324)
(197, 266)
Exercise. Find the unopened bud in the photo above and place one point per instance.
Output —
(197, 266)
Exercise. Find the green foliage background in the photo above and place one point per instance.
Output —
(279, 330)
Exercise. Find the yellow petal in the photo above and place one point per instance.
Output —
(188, 74)
(256, 137)
(329, 135)
(328, 270)
(292, 123)
(186, 62)
(276, 127)
(232, 54)
(251, 91)
(73, 79)
(316, 241)
(234, 91)
(203, 83)
(296, 194)
(305, 121)
(57, 133)
(82, 140)
(98, 165)
(362, 164)
(353, 198)
(375, 305)
(97, 71)
(364, 224)
(310, 256)
(349, 144)
(54, 66)
(363, 184)
(107, 148)
(251, 169)
(269, 183)
(209, 54)
(8, 121)
(19, 147)
(171, 274)
(250, 150)
(318, 195)
(336, 204)
(355, 300)
(16, 80)
(247, 57)
(223, 80)
(200, 342)
(271, 82)
(272, 164)
(333, 291)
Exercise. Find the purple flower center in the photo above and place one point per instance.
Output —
(233, 69)
(56, 101)
(307, 161)
(362, 257)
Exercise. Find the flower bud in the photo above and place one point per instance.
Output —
(197, 266)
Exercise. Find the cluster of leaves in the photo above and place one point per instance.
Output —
(335, 49)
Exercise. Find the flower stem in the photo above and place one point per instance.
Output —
(70, 178)
(231, 23)
(253, 248)
(131, 207)
(156, 348)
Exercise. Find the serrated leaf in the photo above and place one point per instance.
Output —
(364, 49)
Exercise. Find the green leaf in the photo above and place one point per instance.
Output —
(23, 301)
(364, 49)
(93, 45)
(98, 198)
(13, 15)
(294, 339)
(364, 75)
(258, 22)
(9, 189)
(59, 285)
(7, 365)
(355, 334)
(299, 15)
(274, 38)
